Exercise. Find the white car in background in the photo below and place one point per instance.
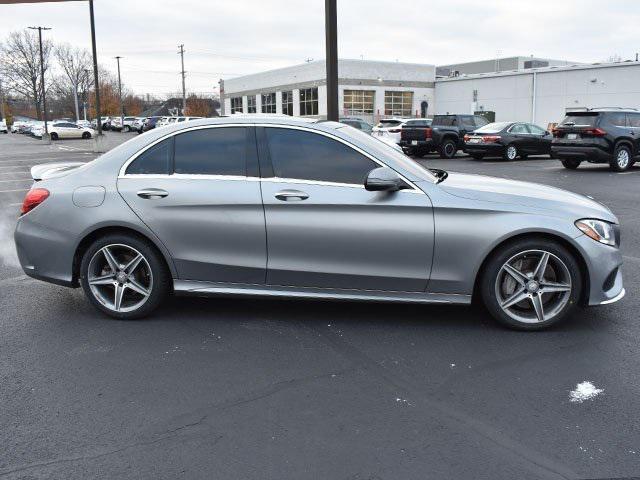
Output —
(84, 123)
(162, 122)
(3, 126)
(60, 130)
(389, 128)
(186, 119)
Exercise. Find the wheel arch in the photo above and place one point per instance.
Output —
(627, 142)
(536, 235)
(101, 231)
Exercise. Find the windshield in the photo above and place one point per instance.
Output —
(493, 127)
(389, 151)
(580, 120)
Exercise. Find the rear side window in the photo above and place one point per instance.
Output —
(445, 121)
(154, 161)
(617, 119)
(467, 122)
(212, 151)
(519, 128)
(633, 119)
(311, 156)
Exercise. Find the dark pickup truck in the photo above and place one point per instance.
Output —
(448, 131)
(415, 137)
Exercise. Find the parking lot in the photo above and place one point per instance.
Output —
(255, 388)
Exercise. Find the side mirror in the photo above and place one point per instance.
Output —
(383, 179)
(547, 133)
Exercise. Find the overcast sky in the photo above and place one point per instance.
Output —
(227, 38)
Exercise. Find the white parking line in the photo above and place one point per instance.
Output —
(17, 190)
(17, 180)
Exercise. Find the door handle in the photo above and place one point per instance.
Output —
(151, 193)
(291, 195)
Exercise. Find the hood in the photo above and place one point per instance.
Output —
(52, 170)
(525, 194)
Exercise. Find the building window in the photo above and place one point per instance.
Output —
(398, 103)
(309, 101)
(236, 105)
(358, 102)
(269, 102)
(251, 104)
(287, 102)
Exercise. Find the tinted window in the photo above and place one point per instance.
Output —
(156, 160)
(467, 122)
(211, 151)
(633, 119)
(519, 128)
(617, 119)
(418, 123)
(537, 130)
(445, 120)
(588, 120)
(310, 156)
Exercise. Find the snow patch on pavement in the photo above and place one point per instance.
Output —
(584, 391)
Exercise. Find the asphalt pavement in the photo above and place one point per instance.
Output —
(230, 388)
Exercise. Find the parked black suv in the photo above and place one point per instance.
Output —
(416, 138)
(448, 132)
(599, 135)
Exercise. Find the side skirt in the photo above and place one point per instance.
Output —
(193, 287)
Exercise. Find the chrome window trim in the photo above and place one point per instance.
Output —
(123, 169)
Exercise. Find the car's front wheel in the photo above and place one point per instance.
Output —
(531, 284)
(571, 163)
(124, 276)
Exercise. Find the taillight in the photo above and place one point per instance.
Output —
(491, 138)
(556, 133)
(596, 132)
(428, 133)
(466, 138)
(34, 197)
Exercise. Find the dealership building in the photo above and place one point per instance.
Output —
(527, 89)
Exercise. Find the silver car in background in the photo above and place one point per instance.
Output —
(278, 206)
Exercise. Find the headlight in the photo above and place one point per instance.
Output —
(598, 230)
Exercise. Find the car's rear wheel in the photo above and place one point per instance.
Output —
(53, 135)
(622, 159)
(448, 149)
(531, 284)
(86, 135)
(124, 276)
(510, 153)
(571, 163)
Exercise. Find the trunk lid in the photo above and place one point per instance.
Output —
(53, 170)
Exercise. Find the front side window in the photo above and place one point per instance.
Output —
(398, 103)
(634, 120)
(251, 104)
(309, 101)
(310, 156)
(536, 129)
(358, 102)
(269, 102)
(211, 151)
(467, 122)
(154, 161)
(236, 105)
(287, 102)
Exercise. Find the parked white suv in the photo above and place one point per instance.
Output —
(3, 126)
(68, 130)
(389, 128)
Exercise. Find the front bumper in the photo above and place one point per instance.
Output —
(604, 266)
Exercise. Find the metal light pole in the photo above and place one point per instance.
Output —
(95, 73)
(184, 94)
(44, 97)
(120, 94)
(331, 30)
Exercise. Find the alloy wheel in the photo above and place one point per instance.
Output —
(512, 152)
(623, 158)
(449, 149)
(533, 286)
(120, 278)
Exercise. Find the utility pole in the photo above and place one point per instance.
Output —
(331, 31)
(95, 76)
(2, 113)
(44, 99)
(120, 94)
(184, 92)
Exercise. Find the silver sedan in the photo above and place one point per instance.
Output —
(285, 207)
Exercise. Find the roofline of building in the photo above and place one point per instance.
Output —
(542, 70)
(500, 59)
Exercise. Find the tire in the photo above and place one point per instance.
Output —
(86, 135)
(149, 275)
(448, 149)
(54, 136)
(571, 163)
(510, 153)
(622, 159)
(498, 286)
(477, 156)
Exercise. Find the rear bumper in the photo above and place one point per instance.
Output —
(483, 148)
(409, 145)
(585, 153)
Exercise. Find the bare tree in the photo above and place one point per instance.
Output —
(75, 63)
(21, 65)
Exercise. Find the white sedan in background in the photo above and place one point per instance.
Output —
(389, 128)
(61, 130)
